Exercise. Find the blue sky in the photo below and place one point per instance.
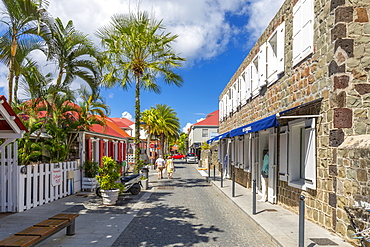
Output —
(214, 36)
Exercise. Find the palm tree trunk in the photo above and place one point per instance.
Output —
(16, 82)
(162, 143)
(13, 52)
(148, 145)
(10, 83)
(137, 122)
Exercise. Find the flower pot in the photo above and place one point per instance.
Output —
(110, 197)
(145, 184)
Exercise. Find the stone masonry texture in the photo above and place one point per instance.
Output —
(337, 75)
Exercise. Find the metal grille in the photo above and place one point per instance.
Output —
(323, 241)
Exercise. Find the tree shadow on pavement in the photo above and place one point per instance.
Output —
(164, 225)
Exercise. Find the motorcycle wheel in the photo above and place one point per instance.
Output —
(98, 192)
(135, 189)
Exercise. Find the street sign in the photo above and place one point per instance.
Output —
(56, 176)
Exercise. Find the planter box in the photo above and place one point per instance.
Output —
(89, 184)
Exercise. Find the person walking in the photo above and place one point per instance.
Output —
(170, 168)
(160, 163)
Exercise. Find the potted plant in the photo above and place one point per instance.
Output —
(90, 169)
(144, 182)
(109, 174)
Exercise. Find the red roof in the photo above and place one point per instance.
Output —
(4, 125)
(122, 122)
(210, 120)
(111, 129)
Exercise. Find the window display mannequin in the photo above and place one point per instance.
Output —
(264, 175)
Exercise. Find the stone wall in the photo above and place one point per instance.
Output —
(337, 73)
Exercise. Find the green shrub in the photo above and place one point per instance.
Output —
(90, 169)
(109, 173)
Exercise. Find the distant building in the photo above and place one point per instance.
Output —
(203, 131)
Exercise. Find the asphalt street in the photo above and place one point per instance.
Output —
(188, 211)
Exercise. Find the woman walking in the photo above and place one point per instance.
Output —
(170, 168)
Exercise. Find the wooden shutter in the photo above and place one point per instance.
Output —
(254, 77)
(283, 154)
(303, 15)
(101, 151)
(262, 66)
(281, 48)
(310, 159)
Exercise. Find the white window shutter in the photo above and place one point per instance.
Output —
(310, 159)
(307, 28)
(229, 102)
(242, 89)
(297, 31)
(254, 77)
(248, 82)
(280, 48)
(235, 96)
(303, 16)
(262, 66)
(283, 155)
(247, 152)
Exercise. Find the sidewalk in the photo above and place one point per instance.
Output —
(97, 225)
(281, 224)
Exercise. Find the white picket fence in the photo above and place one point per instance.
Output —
(33, 185)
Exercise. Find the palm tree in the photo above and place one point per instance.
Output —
(166, 124)
(138, 50)
(148, 118)
(93, 109)
(24, 21)
(74, 55)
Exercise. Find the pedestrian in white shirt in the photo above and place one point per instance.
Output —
(160, 163)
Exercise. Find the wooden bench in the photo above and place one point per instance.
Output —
(41, 231)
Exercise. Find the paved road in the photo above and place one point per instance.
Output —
(187, 211)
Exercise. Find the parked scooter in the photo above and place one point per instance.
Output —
(132, 184)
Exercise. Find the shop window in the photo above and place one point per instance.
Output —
(302, 154)
(303, 16)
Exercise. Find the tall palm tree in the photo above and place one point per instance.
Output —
(137, 50)
(24, 21)
(166, 124)
(74, 55)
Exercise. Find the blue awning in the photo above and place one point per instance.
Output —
(219, 137)
(261, 124)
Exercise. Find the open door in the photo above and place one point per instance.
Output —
(272, 178)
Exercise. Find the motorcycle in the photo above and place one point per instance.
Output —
(132, 184)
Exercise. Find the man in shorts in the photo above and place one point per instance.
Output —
(160, 163)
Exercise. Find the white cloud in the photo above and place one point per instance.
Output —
(203, 29)
(111, 95)
(187, 127)
(200, 119)
(202, 25)
(260, 14)
(127, 115)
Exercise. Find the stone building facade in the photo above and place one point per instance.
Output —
(322, 92)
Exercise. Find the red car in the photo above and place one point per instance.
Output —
(177, 156)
